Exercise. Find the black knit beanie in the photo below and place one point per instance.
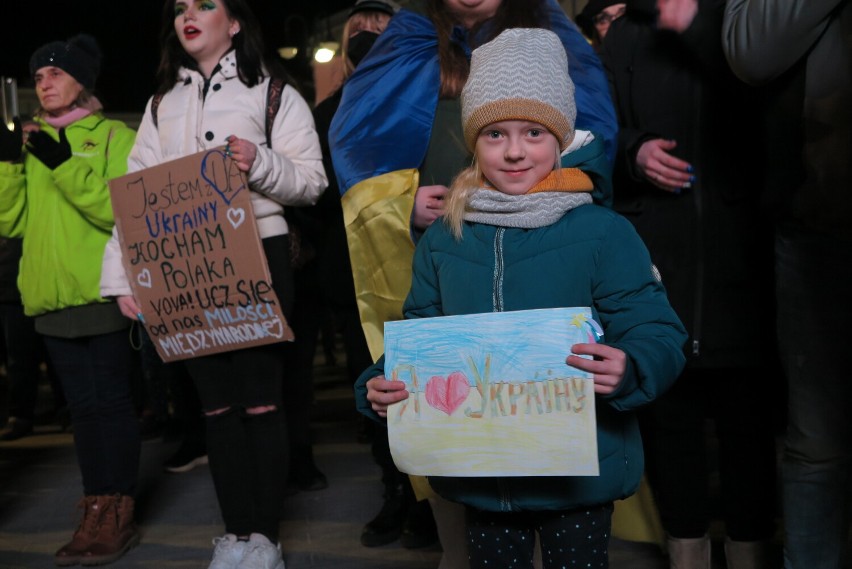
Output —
(80, 57)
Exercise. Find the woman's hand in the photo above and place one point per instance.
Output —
(428, 205)
(50, 152)
(242, 151)
(608, 365)
(676, 15)
(665, 171)
(128, 307)
(381, 393)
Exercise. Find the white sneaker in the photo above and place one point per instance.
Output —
(228, 553)
(262, 554)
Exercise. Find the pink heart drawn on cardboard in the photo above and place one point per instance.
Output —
(219, 170)
(447, 393)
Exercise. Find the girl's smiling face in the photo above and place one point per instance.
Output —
(204, 29)
(515, 155)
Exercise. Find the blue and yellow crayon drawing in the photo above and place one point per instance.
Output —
(491, 394)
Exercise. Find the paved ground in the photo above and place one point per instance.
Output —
(178, 514)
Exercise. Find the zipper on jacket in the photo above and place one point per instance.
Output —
(698, 296)
(698, 197)
(503, 492)
(497, 285)
(497, 303)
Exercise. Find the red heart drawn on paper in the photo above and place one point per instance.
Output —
(446, 394)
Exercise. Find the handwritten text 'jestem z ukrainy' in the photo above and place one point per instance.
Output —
(179, 244)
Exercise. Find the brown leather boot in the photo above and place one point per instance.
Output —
(85, 534)
(117, 533)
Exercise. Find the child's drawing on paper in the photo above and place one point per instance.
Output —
(491, 394)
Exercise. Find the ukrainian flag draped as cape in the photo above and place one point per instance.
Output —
(379, 137)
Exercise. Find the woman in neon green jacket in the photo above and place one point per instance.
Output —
(54, 194)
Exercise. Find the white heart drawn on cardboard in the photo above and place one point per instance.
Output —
(144, 278)
(236, 216)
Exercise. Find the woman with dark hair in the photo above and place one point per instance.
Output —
(253, 64)
(691, 192)
(213, 89)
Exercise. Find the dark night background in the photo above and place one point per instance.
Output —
(128, 35)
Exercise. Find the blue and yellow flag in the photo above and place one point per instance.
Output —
(380, 135)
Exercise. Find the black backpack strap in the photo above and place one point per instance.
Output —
(155, 104)
(273, 103)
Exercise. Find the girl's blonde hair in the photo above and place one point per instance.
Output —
(463, 185)
(364, 21)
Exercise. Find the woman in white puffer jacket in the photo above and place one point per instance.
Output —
(213, 91)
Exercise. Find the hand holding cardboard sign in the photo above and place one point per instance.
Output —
(241, 151)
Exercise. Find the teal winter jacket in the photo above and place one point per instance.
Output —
(590, 257)
(64, 215)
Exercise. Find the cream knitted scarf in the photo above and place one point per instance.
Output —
(561, 191)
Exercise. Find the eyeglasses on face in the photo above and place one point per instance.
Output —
(606, 18)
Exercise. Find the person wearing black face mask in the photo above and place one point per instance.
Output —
(323, 291)
(401, 516)
(359, 45)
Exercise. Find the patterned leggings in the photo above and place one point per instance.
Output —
(569, 538)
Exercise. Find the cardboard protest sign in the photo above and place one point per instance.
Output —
(491, 394)
(194, 259)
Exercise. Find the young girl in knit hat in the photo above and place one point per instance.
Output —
(520, 232)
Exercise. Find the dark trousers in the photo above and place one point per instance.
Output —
(299, 379)
(569, 538)
(249, 453)
(95, 376)
(679, 460)
(23, 351)
(814, 280)
(170, 384)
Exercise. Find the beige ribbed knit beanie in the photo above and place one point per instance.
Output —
(522, 74)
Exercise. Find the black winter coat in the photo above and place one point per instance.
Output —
(710, 242)
(334, 267)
